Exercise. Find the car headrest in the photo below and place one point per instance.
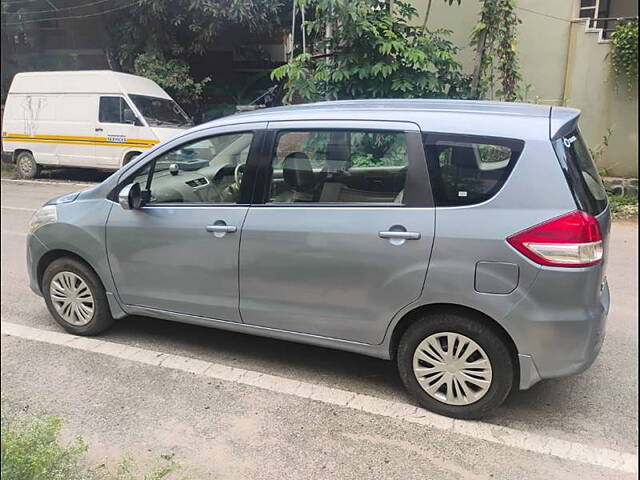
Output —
(297, 172)
(464, 157)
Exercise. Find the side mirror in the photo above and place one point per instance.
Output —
(130, 197)
(129, 117)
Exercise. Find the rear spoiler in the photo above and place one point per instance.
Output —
(562, 121)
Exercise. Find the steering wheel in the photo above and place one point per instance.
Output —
(237, 174)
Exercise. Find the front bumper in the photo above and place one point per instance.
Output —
(35, 250)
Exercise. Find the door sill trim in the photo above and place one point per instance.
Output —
(364, 348)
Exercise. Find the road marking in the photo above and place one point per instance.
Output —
(47, 182)
(19, 209)
(566, 450)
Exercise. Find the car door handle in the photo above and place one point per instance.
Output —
(221, 228)
(400, 235)
(99, 129)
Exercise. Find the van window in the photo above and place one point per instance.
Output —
(581, 173)
(112, 110)
(466, 170)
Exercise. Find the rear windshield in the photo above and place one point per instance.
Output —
(465, 170)
(581, 173)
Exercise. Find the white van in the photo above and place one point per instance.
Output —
(93, 119)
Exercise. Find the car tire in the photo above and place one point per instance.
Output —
(26, 166)
(72, 279)
(477, 387)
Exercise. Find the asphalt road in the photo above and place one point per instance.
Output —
(227, 429)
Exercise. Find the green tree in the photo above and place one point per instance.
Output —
(494, 39)
(172, 75)
(624, 52)
(161, 39)
(364, 50)
(185, 28)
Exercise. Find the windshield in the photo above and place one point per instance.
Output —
(161, 112)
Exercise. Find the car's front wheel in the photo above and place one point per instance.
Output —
(455, 365)
(75, 297)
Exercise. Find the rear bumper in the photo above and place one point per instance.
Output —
(556, 341)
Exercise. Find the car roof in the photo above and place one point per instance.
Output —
(516, 120)
(418, 105)
(408, 109)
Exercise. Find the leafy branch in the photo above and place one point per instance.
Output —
(371, 53)
(624, 52)
(494, 39)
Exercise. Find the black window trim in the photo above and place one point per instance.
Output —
(417, 184)
(514, 144)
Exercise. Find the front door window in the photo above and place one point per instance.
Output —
(207, 170)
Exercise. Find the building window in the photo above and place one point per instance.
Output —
(607, 14)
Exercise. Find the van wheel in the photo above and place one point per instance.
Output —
(130, 157)
(455, 366)
(27, 166)
(75, 297)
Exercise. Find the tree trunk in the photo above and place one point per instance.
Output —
(477, 65)
(426, 14)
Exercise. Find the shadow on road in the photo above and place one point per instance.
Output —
(75, 175)
(260, 353)
(548, 402)
(84, 175)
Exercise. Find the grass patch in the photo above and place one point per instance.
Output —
(8, 170)
(624, 206)
(32, 450)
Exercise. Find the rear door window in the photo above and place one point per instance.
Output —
(466, 170)
(581, 173)
(339, 166)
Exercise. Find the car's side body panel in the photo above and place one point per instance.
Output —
(325, 271)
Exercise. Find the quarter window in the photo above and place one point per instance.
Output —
(582, 173)
(467, 170)
(339, 166)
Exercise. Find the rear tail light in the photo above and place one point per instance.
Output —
(572, 240)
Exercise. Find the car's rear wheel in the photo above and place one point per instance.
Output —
(75, 297)
(455, 365)
(26, 165)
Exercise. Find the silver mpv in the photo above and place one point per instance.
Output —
(464, 240)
